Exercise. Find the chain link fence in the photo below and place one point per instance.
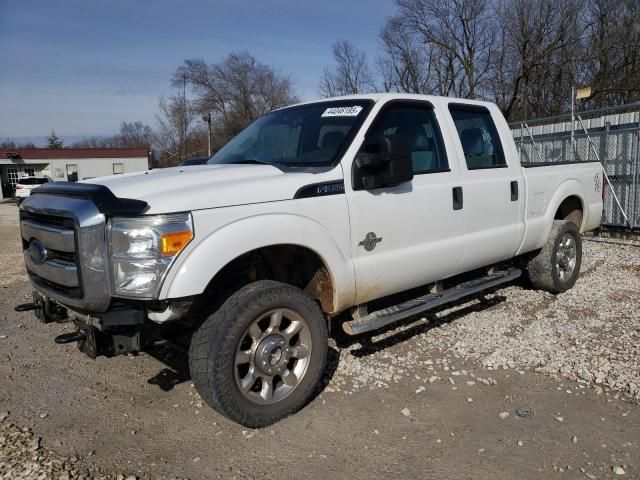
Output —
(611, 136)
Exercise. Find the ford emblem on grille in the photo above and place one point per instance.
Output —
(37, 252)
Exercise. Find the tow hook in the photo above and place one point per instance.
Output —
(25, 307)
(45, 309)
(70, 337)
(85, 336)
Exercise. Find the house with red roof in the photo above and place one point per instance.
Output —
(67, 164)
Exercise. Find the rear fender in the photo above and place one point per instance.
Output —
(538, 227)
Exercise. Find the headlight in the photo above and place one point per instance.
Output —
(143, 248)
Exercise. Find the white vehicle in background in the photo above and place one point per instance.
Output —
(362, 210)
(26, 184)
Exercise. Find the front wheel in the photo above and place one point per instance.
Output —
(260, 357)
(557, 266)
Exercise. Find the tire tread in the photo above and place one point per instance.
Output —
(214, 341)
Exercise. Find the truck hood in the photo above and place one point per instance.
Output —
(180, 189)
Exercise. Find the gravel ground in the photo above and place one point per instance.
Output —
(435, 397)
(590, 333)
(11, 263)
(22, 456)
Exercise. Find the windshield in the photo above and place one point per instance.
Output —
(315, 134)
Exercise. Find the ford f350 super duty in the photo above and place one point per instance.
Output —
(361, 210)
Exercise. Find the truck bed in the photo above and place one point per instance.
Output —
(548, 184)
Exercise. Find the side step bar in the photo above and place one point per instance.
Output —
(386, 316)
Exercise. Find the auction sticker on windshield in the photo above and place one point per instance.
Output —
(351, 111)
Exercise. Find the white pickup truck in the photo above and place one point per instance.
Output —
(317, 212)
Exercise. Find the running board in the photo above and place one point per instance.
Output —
(386, 316)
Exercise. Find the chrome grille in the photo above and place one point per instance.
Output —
(54, 237)
(65, 250)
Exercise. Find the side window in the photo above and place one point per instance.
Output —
(418, 127)
(478, 136)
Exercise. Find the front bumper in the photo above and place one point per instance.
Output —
(110, 333)
(121, 329)
(125, 327)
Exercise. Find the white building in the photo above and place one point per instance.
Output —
(68, 164)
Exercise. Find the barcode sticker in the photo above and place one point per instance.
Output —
(352, 111)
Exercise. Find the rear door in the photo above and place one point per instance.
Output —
(491, 188)
(410, 234)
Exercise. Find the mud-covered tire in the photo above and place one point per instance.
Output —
(217, 345)
(549, 268)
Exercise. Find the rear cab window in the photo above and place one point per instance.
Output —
(478, 136)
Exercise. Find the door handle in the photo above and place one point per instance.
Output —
(514, 191)
(457, 198)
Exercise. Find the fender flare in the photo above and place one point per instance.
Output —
(200, 262)
(569, 188)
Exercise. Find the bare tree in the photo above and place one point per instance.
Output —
(526, 55)
(235, 91)
(459, 36)
(10, 143)
(351, 73)
(135, 135)
(96, 141)
(176, 126)
(539, 59)
(131, 135)
(403, 62)
(613, 42)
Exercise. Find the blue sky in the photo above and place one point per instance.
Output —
(83, 66)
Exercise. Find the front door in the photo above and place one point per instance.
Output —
(410, 234)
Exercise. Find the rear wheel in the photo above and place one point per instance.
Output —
(557, 266)
(260, 357)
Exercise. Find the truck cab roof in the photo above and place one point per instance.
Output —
(385, 97)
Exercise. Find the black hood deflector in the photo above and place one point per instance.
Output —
(104, 198)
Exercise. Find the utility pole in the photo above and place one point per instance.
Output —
(184, 113)
(573, 120)
(207, 118)
(577, 94)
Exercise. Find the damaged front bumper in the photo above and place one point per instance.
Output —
(122, 329)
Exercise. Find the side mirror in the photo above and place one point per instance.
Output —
(385, 165)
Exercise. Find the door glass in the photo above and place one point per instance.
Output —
(479, 137)
(417, 126)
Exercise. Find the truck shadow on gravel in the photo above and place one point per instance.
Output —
(177, 362)
(177, 369)
(369, 346)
